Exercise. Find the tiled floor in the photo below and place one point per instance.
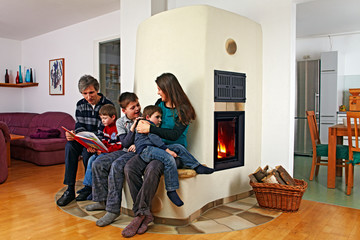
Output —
(317, 188)
(237, 215)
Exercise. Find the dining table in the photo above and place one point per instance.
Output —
(336, 134)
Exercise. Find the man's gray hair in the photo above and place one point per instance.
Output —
(87, 81)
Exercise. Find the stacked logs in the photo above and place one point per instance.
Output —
(277, 175)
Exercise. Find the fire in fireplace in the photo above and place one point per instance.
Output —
(229, 139)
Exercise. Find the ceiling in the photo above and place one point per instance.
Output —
(23, 19)
(327, 17)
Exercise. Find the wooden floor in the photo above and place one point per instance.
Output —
(28, 211)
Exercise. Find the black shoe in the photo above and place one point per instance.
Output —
(83, 196)
(66, 198)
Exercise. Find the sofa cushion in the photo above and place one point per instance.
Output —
(41, 145)
(44, 134)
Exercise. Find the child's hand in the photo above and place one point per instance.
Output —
(172, 153)
(132, 148)
(98, 152)
(91, 150)
(134, 124)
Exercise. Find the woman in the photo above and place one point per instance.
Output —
(177, 115)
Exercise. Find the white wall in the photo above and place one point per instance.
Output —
(347, 45)
(74, 43)
(277, 19)
(11, 99)
(131, 16)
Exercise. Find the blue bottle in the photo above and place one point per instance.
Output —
(27, 76)
(20, 75)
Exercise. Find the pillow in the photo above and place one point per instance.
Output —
(43, 134)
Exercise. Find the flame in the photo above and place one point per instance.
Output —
(221, 150)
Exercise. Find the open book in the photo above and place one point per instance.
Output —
(88, 139)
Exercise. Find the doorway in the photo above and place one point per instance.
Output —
(109, 70)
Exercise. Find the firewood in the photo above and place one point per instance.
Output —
(253, 179)
(285, 176)
(277, 176)
(259, 174)
(269, 179)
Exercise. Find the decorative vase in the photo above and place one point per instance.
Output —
(20, 75)
(6, 77)
(31, 76)
(17, 77)
(27, 76)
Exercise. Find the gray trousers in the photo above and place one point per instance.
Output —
(108, 179)
(143, 190)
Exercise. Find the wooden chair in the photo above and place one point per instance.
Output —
(354, 151)
(321, 150)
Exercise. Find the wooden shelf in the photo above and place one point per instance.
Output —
(19, 85)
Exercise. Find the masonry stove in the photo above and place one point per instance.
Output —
(229, 126)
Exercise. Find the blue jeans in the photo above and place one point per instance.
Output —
(170, 170)
(88, 174)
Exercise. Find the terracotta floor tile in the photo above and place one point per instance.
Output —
(255, 217)
(211, 226)
(215, 214)
(235, 223)
(190, 229)
(237, 215)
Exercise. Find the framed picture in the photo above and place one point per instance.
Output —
(56, 76)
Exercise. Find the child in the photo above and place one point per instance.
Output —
(108, 170)
(110, 139)
(150, 146)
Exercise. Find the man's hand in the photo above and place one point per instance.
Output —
(132, 148)
(172, 153)
(68, 136)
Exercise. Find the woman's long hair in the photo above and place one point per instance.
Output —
(171, 87)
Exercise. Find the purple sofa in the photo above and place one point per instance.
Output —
(48, 151)
(4, 138)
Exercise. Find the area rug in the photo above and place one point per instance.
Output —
(233, 216)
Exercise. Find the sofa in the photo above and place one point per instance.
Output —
(36, 147)
(4, 138)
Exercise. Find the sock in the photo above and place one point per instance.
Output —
(203, 170)
(132, 228)
(96, 206)
(107, 219)
(174, 197)
(144, 225)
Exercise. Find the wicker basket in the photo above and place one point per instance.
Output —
(278, 196)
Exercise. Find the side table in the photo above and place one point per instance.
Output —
(12, 137)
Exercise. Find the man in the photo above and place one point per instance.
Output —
(87, 119)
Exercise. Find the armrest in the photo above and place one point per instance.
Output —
(4, 128)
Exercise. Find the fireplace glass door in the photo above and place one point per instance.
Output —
(229, 139)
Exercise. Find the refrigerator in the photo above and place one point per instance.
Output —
(307, 99)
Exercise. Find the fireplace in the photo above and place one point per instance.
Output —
(229, 139)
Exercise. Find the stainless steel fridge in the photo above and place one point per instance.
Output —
(307, 99)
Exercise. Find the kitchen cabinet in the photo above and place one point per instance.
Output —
(330, 97)
(329, 62)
